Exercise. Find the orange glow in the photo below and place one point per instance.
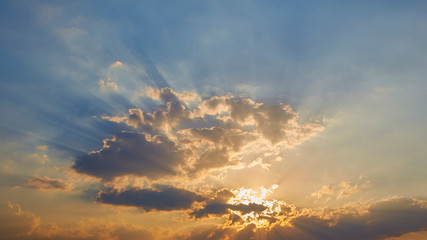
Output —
(273, 213)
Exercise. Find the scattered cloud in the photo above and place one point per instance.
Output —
(342, 190)
(169, 95)
(116, 64)
(47, 183)
(40, 154)
(107, 85)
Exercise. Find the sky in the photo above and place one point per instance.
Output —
(213, 120)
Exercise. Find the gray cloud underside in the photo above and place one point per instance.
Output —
(390, 218)
(150, 199)
(131, 153)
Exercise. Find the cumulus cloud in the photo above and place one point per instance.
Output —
(151, 199)
(212, 135)
(234, 139)
(276, 123)
(47, 183)
(130, 153)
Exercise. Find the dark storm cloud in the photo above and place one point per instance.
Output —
(132, 154)
(384, 219)
(168, 199)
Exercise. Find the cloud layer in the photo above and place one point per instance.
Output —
(388, 218)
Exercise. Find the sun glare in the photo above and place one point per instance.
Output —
(260, 211)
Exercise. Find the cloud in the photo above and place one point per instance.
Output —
(116, 64)
(381, 220)
(130, 153)
(276, 123)
(168, 199)
(168, 95)
(16, 224)
(234, 139)
(107, 85)
(41, 154)
(47, 183)
(246, 207)
(387, 218)
(165, 118)
(212, 135)
(342, 190)
(214, 158)
(220, 209)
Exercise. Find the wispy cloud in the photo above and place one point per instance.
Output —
(47, 183)
(341, 190)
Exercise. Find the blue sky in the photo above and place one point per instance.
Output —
(326, 100)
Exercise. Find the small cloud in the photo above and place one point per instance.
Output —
(116, 64)
(47, 183)
(40, 154)
(324, 190)
(107, 85)
(169, 95)
(342, 190)
(42, 148)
